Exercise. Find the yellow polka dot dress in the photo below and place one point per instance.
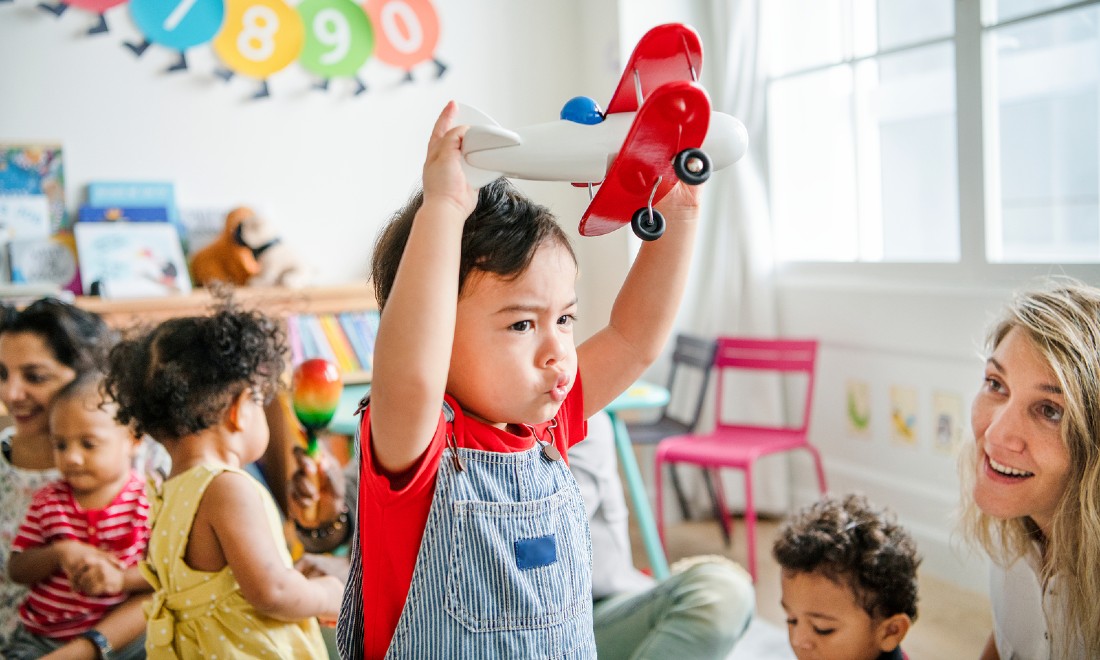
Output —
(196, 614)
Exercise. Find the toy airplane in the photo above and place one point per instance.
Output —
(658, 128)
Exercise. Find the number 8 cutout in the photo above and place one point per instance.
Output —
(259, 38)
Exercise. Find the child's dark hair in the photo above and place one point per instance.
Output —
(857, 546)
(78, 339)
(500, 237)
(180, 377)
(85, 386)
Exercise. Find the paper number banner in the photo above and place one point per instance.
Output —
(257, 38)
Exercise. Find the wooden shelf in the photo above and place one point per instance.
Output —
(276, 301)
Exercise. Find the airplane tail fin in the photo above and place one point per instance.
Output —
(484, 133)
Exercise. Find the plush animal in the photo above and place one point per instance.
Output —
(279, 263)
(226, 259)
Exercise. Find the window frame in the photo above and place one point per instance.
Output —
(976, 126)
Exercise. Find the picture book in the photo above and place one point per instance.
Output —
(131, 260)
(27, 169)
(138, 194)
(48, 260)
(24, 216)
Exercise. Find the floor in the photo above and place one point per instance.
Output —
(953, 622)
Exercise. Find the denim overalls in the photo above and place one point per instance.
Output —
(504, 567)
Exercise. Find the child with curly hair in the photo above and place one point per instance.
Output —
(849, 581)
(223, 580)
(83, 536)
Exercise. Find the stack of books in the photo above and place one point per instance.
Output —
(345, 339)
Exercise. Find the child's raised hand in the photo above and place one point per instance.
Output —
(681, 202)
(444, 179)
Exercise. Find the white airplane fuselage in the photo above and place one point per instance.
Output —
(581, 153)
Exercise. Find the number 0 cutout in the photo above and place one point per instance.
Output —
(407, 31)
(98, 6)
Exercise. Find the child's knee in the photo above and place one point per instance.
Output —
(721, 593)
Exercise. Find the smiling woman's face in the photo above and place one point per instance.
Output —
(1022, 463)
(30, 376)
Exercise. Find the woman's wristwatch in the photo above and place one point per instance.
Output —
(102, 646)
(324, 531)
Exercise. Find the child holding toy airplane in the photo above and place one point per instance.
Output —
(472, 539)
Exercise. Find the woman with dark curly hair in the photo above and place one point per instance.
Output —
(849, 581)
(223, 579)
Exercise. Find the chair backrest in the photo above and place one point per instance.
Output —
(694, 353)
(784, 356)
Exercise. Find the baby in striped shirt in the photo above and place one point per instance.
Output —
(83, 536)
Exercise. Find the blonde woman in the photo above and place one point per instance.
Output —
(1033, 501)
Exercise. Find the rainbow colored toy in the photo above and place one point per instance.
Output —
(315, 392)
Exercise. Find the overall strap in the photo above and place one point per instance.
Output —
(349, 628)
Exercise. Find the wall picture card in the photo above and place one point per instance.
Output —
(903, 414)
(857, 402)
(131, 260)
(948, 421)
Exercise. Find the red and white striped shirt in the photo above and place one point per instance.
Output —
(52, 608)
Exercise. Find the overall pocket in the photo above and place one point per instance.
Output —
(519, 565)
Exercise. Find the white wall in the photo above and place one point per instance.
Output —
(927, 338)
(328, 168)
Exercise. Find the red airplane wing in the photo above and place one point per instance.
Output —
(673, 118)
(665, 54)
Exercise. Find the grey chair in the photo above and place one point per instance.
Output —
(695, 354)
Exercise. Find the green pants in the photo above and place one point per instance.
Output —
(700, 613)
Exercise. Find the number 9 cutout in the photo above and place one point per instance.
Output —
(339, 40)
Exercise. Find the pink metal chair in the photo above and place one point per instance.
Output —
(738, 445)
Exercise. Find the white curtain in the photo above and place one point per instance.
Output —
(732, 287)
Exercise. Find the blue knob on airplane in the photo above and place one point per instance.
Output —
(582, 110)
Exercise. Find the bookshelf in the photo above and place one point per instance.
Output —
(276, 301)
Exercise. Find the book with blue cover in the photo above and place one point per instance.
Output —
(139, 194)
(122, 214)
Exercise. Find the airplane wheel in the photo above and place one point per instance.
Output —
(647, 227)
(692, 166)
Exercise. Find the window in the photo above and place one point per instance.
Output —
(864, 142)
(1043, 146)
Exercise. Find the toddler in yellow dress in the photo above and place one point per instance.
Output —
(224, 583)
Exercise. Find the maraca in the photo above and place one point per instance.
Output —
(315, 393)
